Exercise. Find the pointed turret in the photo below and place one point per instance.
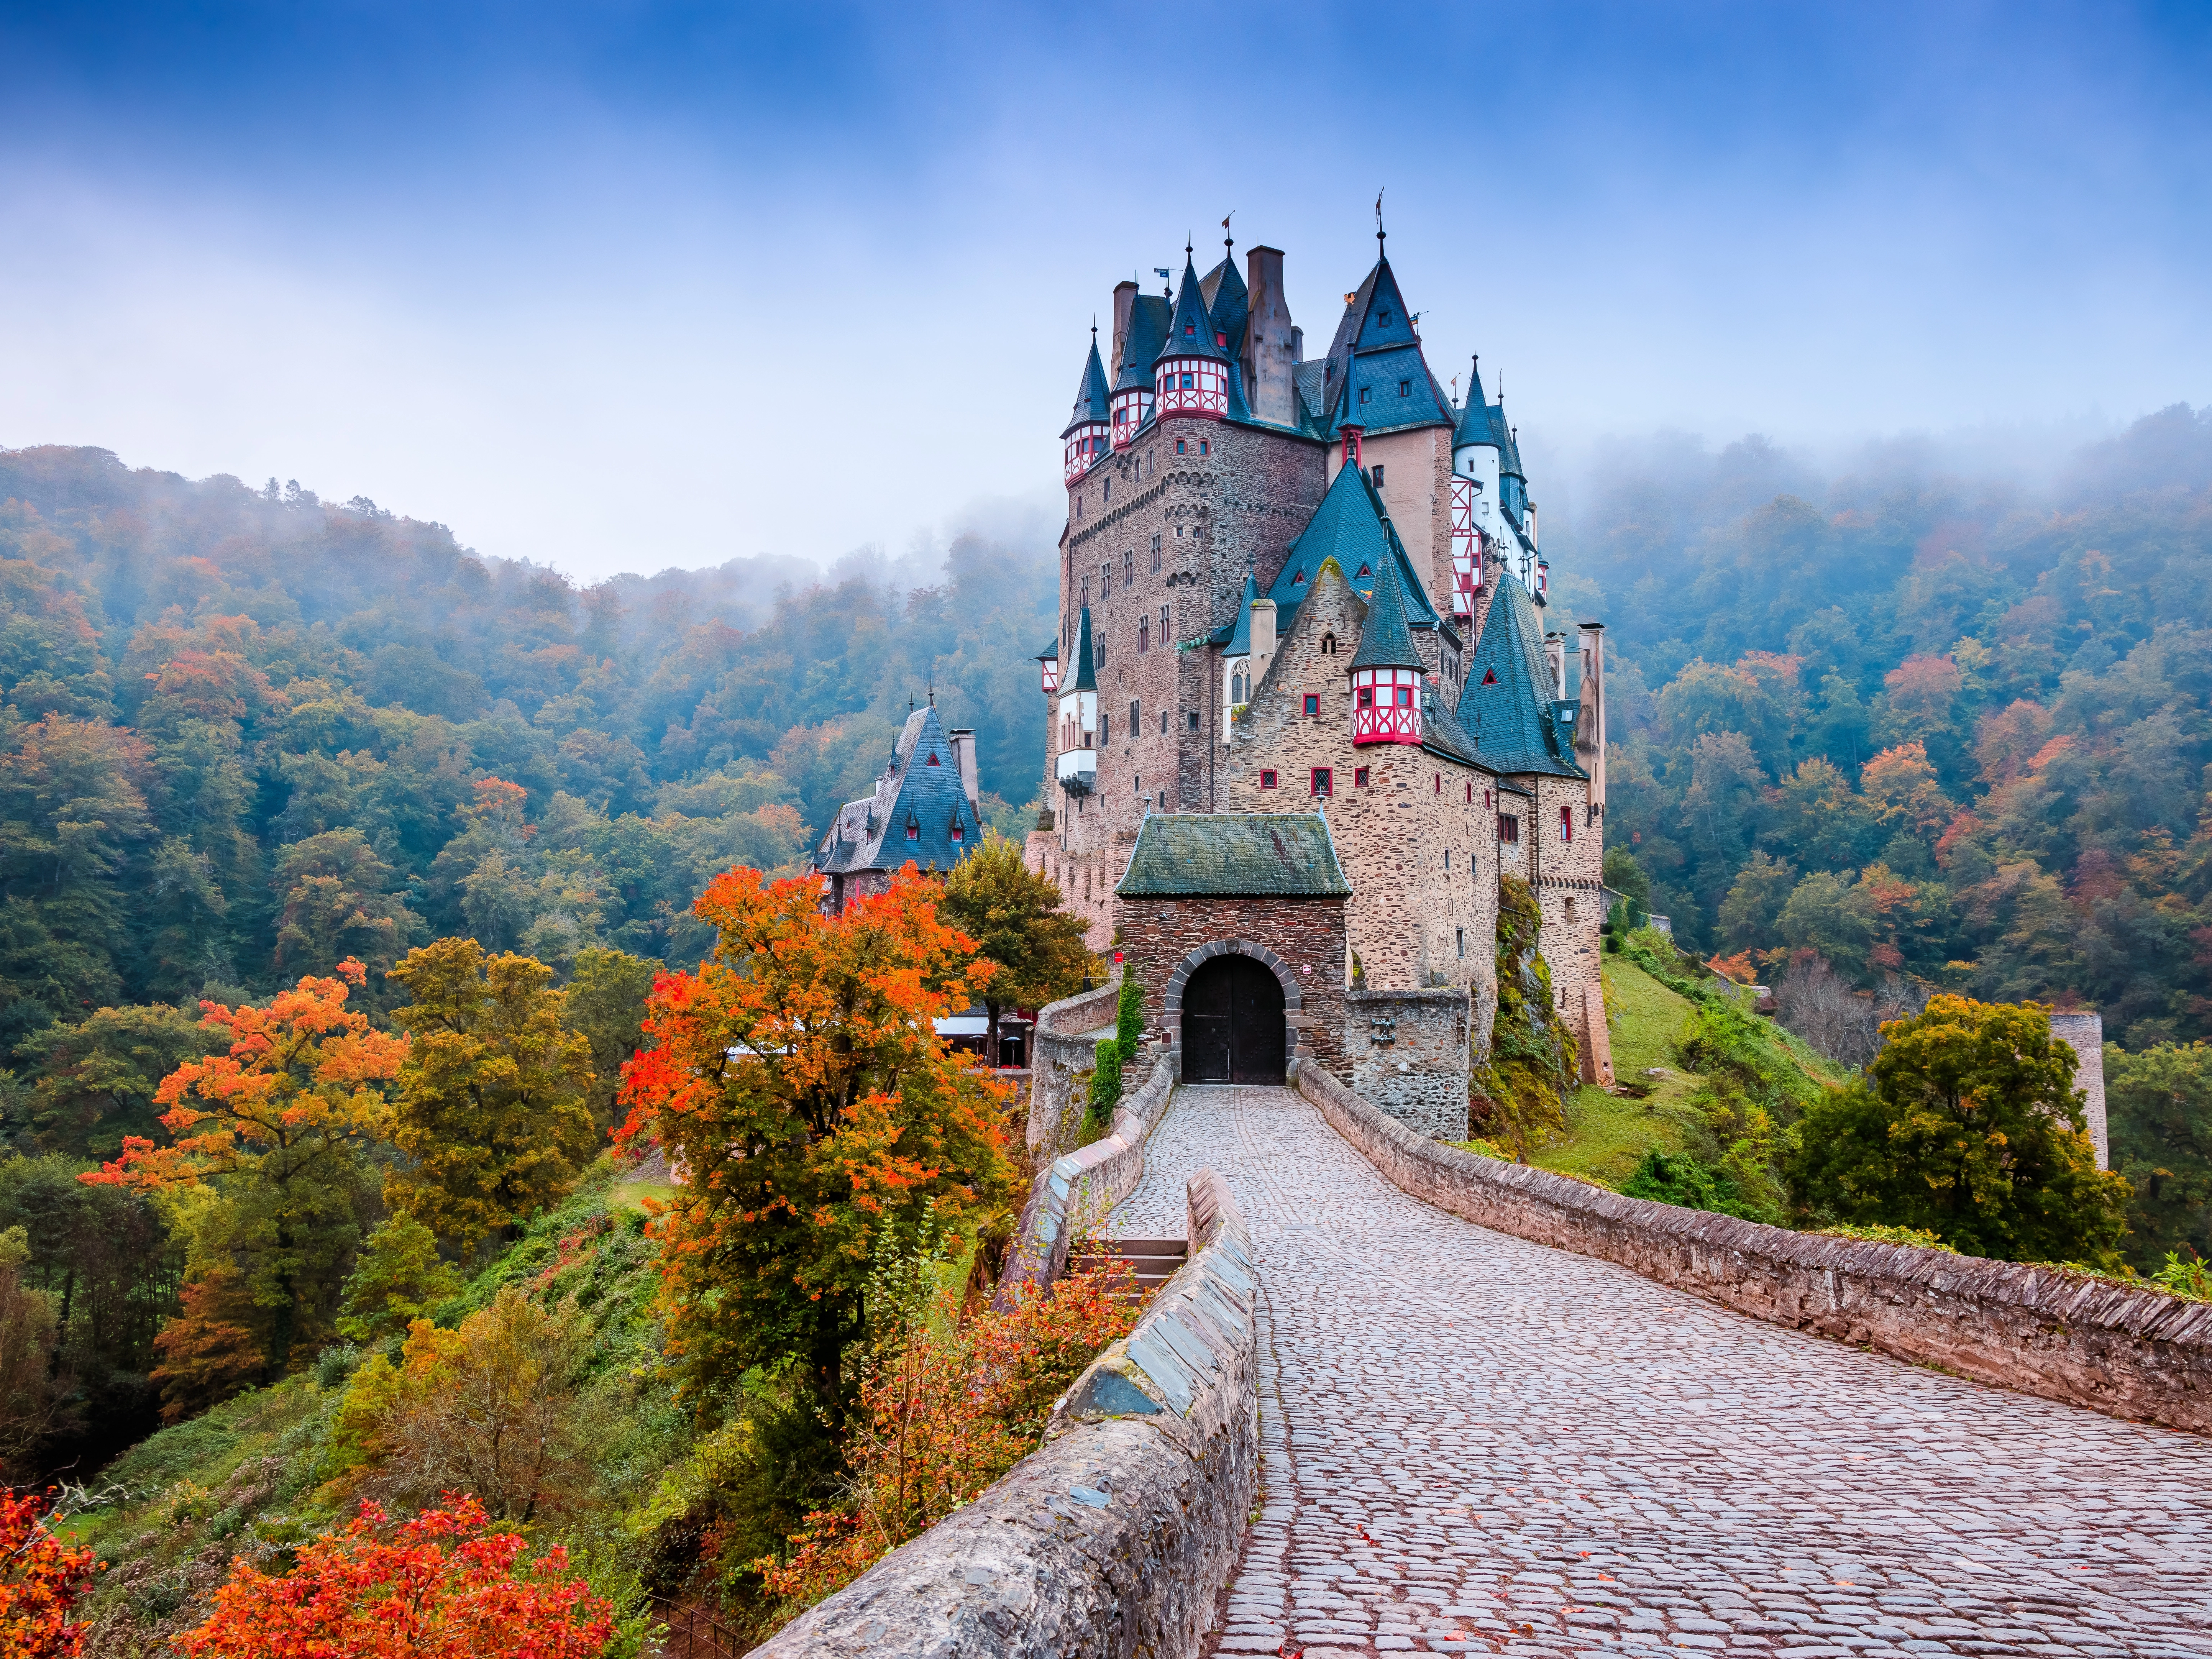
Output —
(1506, 709)
(1385, 671)
(1192, 375)
(1474, 524)
(1085, 436)
(1140, 350)
(1374, 368)
(1077, 768)
(1474, 431)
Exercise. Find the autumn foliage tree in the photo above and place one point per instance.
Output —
(41, 1578)
(277, 1124)
(798, 1080)
(491, 1112)
(444, 1586)
(1014, 916)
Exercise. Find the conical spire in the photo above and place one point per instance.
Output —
(1386, 642)
(1084, 676)
(1191, 332)
(1240, 637)
(1474, 424)
(1140, 350)
(1093, 404)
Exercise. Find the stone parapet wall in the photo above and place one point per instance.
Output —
(1408, 1056)
(1112, 1539)
(2133, 1353)
(1081, 1186)
(1061, 1055)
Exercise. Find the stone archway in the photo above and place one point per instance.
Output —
(1228, 1003)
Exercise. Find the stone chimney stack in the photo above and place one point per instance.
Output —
(1125, 302)
(1269, 347)
(964, 755)
(1590, 720)
(1555, 660)
(1263, 639)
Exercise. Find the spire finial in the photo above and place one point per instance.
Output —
(1228, 241)
(1186, 244)
(1379, 232)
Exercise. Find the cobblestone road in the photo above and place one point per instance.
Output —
(1472, 1443)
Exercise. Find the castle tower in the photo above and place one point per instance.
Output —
(1086, 435)
(1474, 500)
(1140, 346)
(1191, 375)
(1385, 671)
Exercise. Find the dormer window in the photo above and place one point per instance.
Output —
(1364, 390)
(1382, 317)
(933, 757)
(1490, 676)
(912, 831)
(960, 831)
(1296, 579)
(1365, 571)
(1404, 388)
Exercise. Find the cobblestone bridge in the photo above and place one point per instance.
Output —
(1476, 1444)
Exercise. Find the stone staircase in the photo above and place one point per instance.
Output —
(1154, 1261)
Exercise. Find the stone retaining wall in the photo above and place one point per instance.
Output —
(1081, 1186)
(2132, 1353)
(1110, 1541)
(1406, 1053)
(1062, 1054)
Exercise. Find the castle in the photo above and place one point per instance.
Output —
(1302, 709)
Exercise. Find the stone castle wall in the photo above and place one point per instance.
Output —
(1567, 882)
(1408, 1053)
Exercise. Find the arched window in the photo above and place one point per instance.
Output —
(1328, 645)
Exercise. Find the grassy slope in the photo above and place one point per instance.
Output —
(1608, 1134)
(242, 1479)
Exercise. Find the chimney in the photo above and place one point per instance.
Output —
(1555, 660)
(2082, 1029)
(1125, 302)
(1589, 722)
(1268, 348)
(963, 757)
(1263, 639)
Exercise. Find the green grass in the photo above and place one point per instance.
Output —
(1608, 1135)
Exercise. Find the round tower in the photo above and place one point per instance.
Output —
(1085, 437)
(1192, 374)
(1386, 671)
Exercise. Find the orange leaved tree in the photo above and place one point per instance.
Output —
(40, 1579)
(277, 1124)
(444, 1587)
(798, 1080)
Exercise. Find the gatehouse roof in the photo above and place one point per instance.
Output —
(1234, 855)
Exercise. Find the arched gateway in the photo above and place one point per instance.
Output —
(1232, 1022)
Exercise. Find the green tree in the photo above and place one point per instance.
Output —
(2159, 1108)
(491, 1113)
(1753, 905)
(607, 997)
(336, 905)
(398, 1279)
(1833, 917)
(94, 1082)
(1013, 915)
(1968, 1125)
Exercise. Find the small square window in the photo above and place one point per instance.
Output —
(1313, 703)
(1324, 784)
(1404, 388)
(1566, 824)
(1178, 451)
(1202, 446)
(1188, 381)
(1363, 394)
(1193, 720)
(1509, 828)
(1378, 477)
(1359, 778)
(1266, 780)
(1136, 725)
(1367, 696)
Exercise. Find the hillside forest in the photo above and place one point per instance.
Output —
(314, 782)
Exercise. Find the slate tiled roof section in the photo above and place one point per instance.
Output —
(1239, 634)
(1140, 347)
(1228, 302)
(1092, 401)
(1234, 855)
(1385, 641)
(1505, 707)
(921, 787)
(1191, 334)
(1348, 526)
(1086, 660)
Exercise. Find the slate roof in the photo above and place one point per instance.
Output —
(1093, 403)
(1234, 855)
(1230, 303)
(1240, 631)
(1191, 333)
(1510, 721)
(1351, 527)
(1086, 660)
(920, 787)
(1475, 425)
(1140, 346)
(1384, 639)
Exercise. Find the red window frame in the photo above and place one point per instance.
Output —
(1323, 783)
(1311, 707)
(1360, 777)
(1267, 779)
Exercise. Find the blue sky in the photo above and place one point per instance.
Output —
(628, 286)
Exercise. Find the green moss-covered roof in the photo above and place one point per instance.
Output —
(1234, 855)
